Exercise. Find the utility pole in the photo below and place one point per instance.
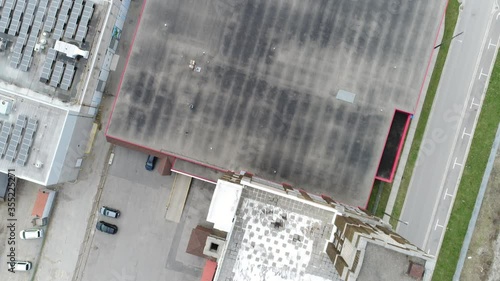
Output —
(405, 222)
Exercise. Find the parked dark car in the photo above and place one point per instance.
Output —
(150, 162)
(110, 212)
(107, 227)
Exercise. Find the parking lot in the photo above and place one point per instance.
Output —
(146, 246)
(26, 250)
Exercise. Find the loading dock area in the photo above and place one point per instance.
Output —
(178, 197)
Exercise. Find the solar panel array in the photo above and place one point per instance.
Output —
(27, 18)
(15, 57)
(47, 65)
(4, 137)
(88, 11)
(16, 138)
(50, 21)
(27, 141)
(76, 11)
(15, 23)
(22, 53)
(69, 73)
(62, 19)
(7, 14)
(57, 74)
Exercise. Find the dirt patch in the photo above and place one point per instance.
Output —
(483, 257)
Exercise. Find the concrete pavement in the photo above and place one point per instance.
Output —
(447, 137)
(68, 224)
(146, 247)
(26, 250)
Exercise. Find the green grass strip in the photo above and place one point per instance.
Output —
(471, 179)
(384, 197)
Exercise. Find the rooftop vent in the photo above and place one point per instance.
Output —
(5, 106)
(213, 246)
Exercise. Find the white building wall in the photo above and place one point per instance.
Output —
(72, 146)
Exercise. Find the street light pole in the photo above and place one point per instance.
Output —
(437, 46)
(405, 222)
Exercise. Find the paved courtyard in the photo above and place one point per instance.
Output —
(146, 247)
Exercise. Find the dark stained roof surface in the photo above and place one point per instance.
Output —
(264, 100)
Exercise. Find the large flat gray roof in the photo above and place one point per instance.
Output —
(264, 100)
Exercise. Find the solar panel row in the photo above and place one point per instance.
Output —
(47, 65)
(22, 38)
(50, 21)
(4, 136)
(56, 77)
(15, 57)
(27, 56)
(69, 73)
(62, 18)
(27, 142)
(16, 17)
(58, 31)
(76, 11)
(82, 30)
(5, 18)
(16, 137)
(10, 4)
(28, 18)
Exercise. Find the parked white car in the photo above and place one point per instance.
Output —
(110, 212)
(19, 265)
(32, 233)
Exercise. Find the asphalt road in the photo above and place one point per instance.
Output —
(451, 125)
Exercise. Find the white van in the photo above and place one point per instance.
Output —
(32, 233)
(19, 265)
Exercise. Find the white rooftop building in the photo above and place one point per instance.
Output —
(276, 233)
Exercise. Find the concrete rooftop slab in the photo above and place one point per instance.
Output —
(264, 99)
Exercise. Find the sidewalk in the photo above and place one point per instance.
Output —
(70, 215)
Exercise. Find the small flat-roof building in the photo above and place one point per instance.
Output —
(280, 234)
